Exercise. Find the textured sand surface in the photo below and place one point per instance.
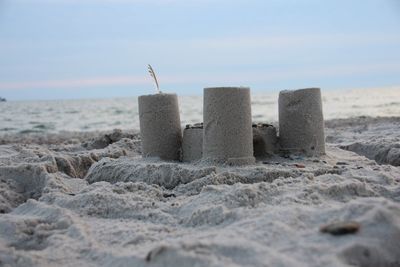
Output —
(98, 203)
(375, 138)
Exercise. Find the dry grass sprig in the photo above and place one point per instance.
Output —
(153, 74)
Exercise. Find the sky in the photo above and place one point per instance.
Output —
(60, 49)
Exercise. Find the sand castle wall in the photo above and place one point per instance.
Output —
(192, 145)
(264, 140)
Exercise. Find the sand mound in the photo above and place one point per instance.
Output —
(9, 196)
(167, 175)
(29, 170)
(96, 203)
(375, 247)
(370, 137)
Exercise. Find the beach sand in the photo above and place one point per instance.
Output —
(89, 199)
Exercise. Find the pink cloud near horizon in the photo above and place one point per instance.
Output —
(206, 79)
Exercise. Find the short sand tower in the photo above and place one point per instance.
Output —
(160, 126)
(192, 144)
(301, 122)
(227, 135)
(264, 140)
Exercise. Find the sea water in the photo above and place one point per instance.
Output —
(122, 113)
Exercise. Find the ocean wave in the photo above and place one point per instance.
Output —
(29, 131)
(391, 104)
(44, 127)
(7, 129)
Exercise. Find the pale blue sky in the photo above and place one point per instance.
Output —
(100, 48)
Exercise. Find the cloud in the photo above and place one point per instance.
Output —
(299, 40)
(206, 78)
(80, 2)
(232, 42)
(74, 83)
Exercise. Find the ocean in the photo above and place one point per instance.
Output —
(122, 113)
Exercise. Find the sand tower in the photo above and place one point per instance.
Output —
(227, 130)
(160, 126)
(301, 123)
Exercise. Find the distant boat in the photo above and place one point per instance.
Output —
(3, 99)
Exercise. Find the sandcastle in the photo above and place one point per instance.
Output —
(228, 135)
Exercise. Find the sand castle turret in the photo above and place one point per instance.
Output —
(301, 123)
(227, 133)
(160, 126)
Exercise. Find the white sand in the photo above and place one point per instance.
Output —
(375, 138)
(97, 203)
